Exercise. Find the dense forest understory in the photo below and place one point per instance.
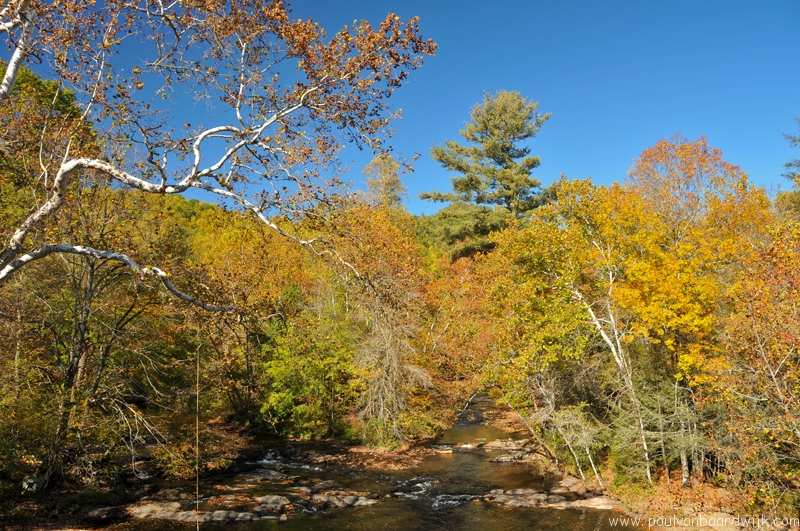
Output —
(646, 332)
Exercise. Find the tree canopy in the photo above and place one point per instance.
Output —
(291, 95)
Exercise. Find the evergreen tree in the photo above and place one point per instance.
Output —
(789, 201)
(462, 229)
(495, 169)
(793, 166)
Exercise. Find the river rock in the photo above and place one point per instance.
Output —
(505, 444)
(273, 502)
(171, 511)
(264, 474)
(185, 516)
(231, 516)
(521, 492)
(572, 484)
(327, 501)
(152, 509)
(330, 501)
(364, 501)
(516, 456)
(350, 500)
(530, 500)
(106, 514)
(517, 502)
(598, 502)
(214, 516)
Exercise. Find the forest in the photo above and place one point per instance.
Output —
(645, 332)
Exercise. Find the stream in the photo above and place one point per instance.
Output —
(450, 490)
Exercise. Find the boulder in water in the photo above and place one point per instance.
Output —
(364, 501)
(598, 502)
(273, 502)
(521, 492)
(327, 500)
(264, 474)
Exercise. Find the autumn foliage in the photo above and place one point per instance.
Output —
(645, 331)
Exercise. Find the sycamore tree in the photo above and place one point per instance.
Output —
(384, 186)
(282, 98)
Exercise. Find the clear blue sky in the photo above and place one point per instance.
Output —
(617, 76)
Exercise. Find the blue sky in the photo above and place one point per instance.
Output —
(617, 76)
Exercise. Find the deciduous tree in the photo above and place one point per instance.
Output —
(761, 388)
(383, 180)
(289, 95)
(647, 266)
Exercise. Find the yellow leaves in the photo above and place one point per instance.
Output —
(658, 254)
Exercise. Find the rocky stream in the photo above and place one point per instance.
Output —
(475, 477)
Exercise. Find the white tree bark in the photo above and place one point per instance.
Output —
(612, 335)
(47, 250)
(275, 141)
(23, 17)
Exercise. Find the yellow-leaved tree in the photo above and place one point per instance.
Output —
(644, 266)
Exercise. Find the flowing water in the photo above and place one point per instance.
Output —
(444, 492)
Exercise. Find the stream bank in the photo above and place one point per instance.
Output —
(475, 476)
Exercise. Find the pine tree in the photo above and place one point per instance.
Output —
(495, 169)
(793, 166)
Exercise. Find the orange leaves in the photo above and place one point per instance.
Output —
(685, 180)
(762, 337)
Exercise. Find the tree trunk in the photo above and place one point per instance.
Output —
(684, 458)
(83, 289)
(594, 468)
(574, 455)
(697, 456)
(613, 338)
(661, 441)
